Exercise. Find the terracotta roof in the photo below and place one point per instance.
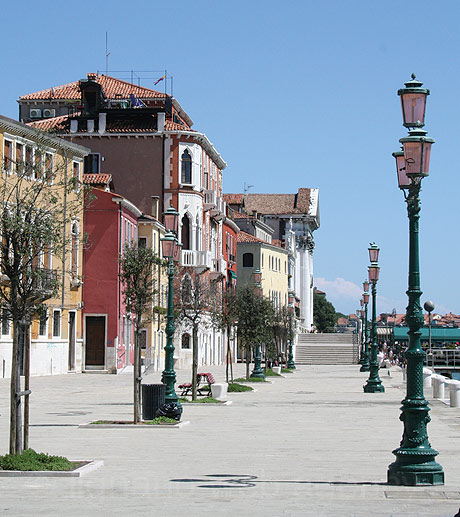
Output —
(112, 88)
(241, 215)
(247, 237)
(97, 179)
(233, 199)
(139, 124)
(52, 124)
(279, 203)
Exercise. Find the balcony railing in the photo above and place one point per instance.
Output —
(194, 258)
(219, 268)
(209, 199)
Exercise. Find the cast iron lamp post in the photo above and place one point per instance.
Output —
(429, 307)
(257, 372)
(374, 384)
(291, 364)
(415, 458)
(170, 250)
(365, 364)
(361, 315)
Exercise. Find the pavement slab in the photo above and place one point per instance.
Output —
(310, 443)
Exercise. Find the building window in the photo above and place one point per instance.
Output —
(43, 322)
(248, 260)
(76, 175)
(143, 339)
(8, 155)
(91, 164)
(74, 256)
(57, 323)
(5, 323)
(186, 167)
(185, 233)
(49, 167)
(186, 341)
(142, 242)
(19, 157)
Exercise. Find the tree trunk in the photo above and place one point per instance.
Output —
(26, 384)
(248, 360)
(137, 376)
(15, 399)
(229, 355)
(194, 359)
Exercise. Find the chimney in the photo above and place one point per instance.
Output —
(90, 126)
(155, 206)
(254, 214)
(73, 125)
(102, 123)
(161, 117)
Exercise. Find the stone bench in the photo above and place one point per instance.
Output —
(454, 392)
(439, 384)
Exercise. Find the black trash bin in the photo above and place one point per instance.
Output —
(153, 396)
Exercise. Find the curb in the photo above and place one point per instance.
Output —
(88, 467)
(90, 425)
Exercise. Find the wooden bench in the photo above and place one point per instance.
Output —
(208, 379)
(203, 385)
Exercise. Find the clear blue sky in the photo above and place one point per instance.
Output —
(292, 94)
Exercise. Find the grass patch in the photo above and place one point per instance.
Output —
(251, 379)
(31, 460)
(234, 387)
(270, 373)
(203, 400)
(160, 420)
(287, 370)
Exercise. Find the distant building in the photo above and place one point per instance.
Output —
(292, 218)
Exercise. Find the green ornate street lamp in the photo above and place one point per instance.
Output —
(374, 384)
(415, 458)
(365, 364)
(258, 372)
(361, 315)
(290, 363)
(170, 249)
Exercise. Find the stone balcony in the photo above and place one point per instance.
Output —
(198, 259)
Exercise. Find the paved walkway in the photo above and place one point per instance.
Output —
(311, 443)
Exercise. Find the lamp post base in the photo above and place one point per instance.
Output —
(257, 374)
(420, 474)
(374, 386)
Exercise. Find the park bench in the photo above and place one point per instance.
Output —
(205, 388)
(203, 385)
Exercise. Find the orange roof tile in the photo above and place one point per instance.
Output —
(233, 199)
(247, 237)
(112, 88)
(97, 179)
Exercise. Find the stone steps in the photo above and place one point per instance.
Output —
(326, 349)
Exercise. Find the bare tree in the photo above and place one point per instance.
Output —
(136, 274)
(193, 306)
(38, 201)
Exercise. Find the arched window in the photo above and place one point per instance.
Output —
(185, 233)
(186, 341)
(186, 167)
(74, 256)
(248, 260)
(186, 290)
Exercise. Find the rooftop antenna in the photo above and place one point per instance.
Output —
(107, 53)
(246, 188)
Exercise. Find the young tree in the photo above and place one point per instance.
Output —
(324, 315)
(38, 201)
(136, 274)
(255, 315)
(225, 315)
(193, 309)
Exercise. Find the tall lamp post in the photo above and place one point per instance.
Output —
(365, 364)
(374, 384)
(291, 364)
(415, 459)
(361, 351)
(429, 307)
(258, 372)
(170, 249)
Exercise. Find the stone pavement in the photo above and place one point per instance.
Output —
(311, 443)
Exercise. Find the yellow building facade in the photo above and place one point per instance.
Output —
(56, 335)
(150, 233)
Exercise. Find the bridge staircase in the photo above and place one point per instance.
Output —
(334, 348)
